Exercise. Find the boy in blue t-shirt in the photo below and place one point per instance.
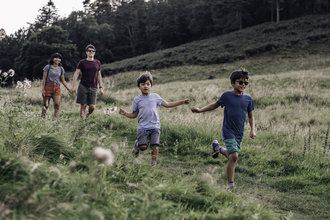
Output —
(236, 104)
(145, 108)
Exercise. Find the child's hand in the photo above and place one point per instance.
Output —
(252, 134)
(122, 111)
(194, 109)
(186, 101)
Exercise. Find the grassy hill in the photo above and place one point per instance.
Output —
(48, 171)
(239, 45)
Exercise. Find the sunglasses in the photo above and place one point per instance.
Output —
(91, 50)
(241, 82)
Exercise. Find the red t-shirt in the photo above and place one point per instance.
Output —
(89, 70)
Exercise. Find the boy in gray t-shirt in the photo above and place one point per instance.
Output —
(145, 108)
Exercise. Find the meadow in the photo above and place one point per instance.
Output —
(47, 169)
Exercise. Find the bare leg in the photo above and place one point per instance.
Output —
(90, 110)
(45, 105)
(154, 153)
(223, 151)
(57, 101)
(231, 166)
(82, 111)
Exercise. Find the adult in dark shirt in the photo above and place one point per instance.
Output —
(90, 69)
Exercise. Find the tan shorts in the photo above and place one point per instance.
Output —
(52, 89)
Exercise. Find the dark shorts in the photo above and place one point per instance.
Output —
(52, 89)
(152, 134)
(232, 145)
(86, 95)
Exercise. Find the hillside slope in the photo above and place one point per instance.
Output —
(238, 45)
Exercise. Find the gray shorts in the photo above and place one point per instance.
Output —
(86, 95)
(152, 134)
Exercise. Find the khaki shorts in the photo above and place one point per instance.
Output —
(52, 89)
(86, 95)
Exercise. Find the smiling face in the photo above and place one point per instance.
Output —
(145, 87)
(56, 61)
(238, 88)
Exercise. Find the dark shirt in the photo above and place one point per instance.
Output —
(89, 70)
(236, 107)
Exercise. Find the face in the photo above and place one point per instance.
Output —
(56, 60)
(145, 87)
(238, 88)
(90, 52)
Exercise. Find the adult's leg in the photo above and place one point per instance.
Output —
(45, 105)
(83, 111)
(90, 110)
(57, 101)
(231, 166)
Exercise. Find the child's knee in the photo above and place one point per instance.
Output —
(233, 157)
(143, 147)
(154, 148)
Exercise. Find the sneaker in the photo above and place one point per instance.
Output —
(153, 164)
(136, 150)
(231, 188)
(216, 149)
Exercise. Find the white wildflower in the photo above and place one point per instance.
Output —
(11, 72)
(61, 156)
(26, 83)
(110, 110)
(19, 85)
(104, 156)
(4, 74)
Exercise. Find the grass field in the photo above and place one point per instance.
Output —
(47, 169)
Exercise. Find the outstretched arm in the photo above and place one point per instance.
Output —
(174, 104)
(209, 107)
(252, 125)
(127, 114)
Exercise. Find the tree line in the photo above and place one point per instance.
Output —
(123, 29)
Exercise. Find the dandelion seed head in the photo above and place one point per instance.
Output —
(4, 74)
(11, 72)
(104, 156)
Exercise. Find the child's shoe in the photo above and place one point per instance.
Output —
(136, 150)
(216, 149)
(153, 164)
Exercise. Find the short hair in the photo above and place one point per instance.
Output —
(55, 55)
(238, 74)
(90, 46)
(144, 78)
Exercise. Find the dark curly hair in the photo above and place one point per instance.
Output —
(144, 78)
(238, 74)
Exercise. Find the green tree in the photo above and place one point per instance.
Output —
(36, 51)
(48, 16)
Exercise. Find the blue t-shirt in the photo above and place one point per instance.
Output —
(236, 107)
(148, 116)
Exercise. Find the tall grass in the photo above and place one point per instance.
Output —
(47, 169)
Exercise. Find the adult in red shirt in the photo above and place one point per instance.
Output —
(90, 69)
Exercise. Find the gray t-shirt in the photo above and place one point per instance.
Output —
(148, 116)
(54, 75)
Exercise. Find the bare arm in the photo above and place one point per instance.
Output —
(128, 115)
(209, 107)
(252, 125)
(99, 80)
(44, 83)
(174, 104)
(64, 82)
(75, 77)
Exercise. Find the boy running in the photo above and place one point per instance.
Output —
(236, 104)
(145, 108)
